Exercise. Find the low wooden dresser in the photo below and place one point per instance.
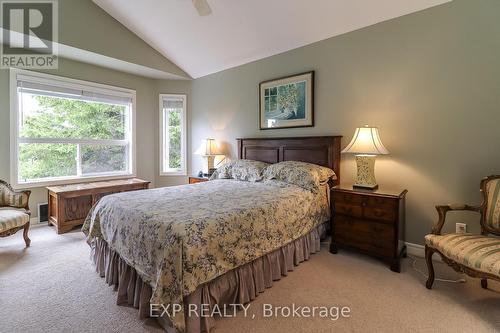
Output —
(70, 204)
(372, 222)
(197, 179)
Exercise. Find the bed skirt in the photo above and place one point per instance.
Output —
(238, 286)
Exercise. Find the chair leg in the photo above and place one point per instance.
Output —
(430, 268)
(484, 283)
(27, 240)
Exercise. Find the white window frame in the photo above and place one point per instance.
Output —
(163, 146)
(68, 83)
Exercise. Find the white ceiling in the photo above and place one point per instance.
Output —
(241, 31)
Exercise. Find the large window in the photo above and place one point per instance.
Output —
(172, 134)
(65, 130)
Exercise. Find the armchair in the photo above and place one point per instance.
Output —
(475, 255)
(14, 211)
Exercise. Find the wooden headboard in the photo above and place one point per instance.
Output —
(321, 150)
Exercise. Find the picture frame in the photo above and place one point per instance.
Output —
(287, 102)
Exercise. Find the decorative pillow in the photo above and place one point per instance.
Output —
(248, 170)
(306, 175)
(222, 172)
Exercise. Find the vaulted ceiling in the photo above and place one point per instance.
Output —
(242, 31)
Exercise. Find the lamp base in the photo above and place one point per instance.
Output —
(366, 172)
(363, 187)
(208, 165)
(209, 174)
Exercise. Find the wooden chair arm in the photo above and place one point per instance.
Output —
(444, 209)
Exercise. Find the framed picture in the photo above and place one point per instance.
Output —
(287, 102)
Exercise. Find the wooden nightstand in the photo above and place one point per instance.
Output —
(197, 179)
(372, 222)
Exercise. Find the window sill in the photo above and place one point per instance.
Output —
(173, 174)
(66, 181)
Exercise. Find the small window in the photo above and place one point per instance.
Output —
(68, 130)
(172, 135)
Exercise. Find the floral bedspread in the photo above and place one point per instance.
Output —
(178, 238)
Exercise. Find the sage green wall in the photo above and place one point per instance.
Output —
(146, 116)
(429, 80)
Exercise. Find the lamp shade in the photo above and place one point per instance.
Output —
(208, 147)
(366, 140)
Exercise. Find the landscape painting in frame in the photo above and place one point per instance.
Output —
(287, 102)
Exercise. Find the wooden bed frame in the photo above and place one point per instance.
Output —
(321, 150)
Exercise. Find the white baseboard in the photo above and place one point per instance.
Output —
(34, 222)
(417, 250)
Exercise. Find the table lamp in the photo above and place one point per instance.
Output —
(208, 149)
(366, 144)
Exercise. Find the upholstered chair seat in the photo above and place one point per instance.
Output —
(476, 252)
(12, 218)
(476, 255)
(14, 211)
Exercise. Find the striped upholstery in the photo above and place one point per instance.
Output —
(11, 218)
(492, 217)
(12, 199)
(478, 252)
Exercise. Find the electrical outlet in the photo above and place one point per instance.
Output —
(460, 228)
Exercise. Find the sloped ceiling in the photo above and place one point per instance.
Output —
(88, 34)
(242, 31)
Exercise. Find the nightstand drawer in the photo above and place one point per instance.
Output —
(380, 201)
(347, 198)
(381, 209)
(365, 235)
(348, 209)
(381, 213)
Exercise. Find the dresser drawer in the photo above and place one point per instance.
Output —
(370, 236)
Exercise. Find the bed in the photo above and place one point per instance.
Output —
(174, 250)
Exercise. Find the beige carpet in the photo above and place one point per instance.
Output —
(52, 287)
